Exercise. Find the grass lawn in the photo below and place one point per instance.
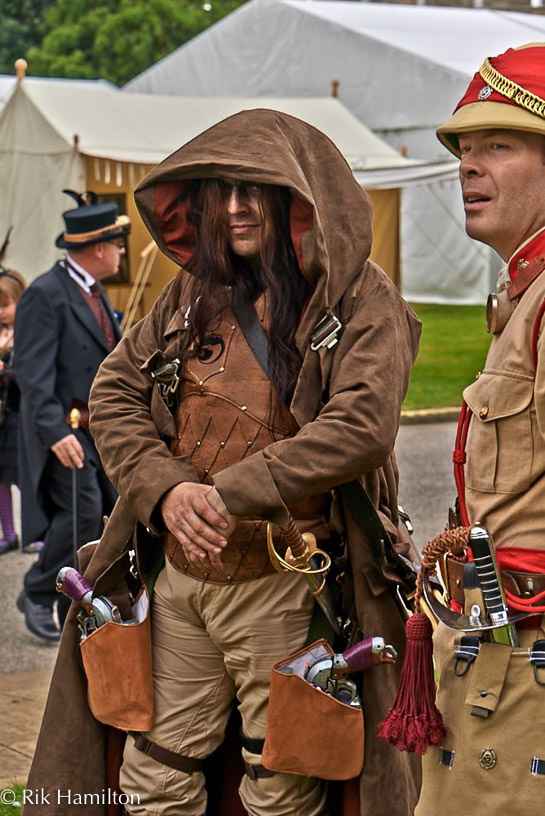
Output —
(452, 350)
(6, 806)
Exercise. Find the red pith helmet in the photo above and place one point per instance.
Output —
(507, 92)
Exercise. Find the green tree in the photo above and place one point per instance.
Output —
(20, 29)
(117, 39)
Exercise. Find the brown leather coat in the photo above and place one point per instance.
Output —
(347, 404)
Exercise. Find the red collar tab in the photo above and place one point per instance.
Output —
(526, 264)
(522, 67)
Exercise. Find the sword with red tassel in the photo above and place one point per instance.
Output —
(414, 722)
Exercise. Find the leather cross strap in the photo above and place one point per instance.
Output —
(388, 560)
(256, 336)
(391, 563)
(171, 759)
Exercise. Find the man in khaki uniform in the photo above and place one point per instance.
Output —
(493, 757)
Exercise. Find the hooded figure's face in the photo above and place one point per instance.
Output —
(243, 219)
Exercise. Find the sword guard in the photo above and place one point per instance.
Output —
(290, 563)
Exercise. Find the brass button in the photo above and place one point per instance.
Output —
(222, 444)
(198, 443)
(201, 382)
(487, 759)
(243, 407)
(483, 413)
(222, 368)
(248, 444)
(483, 693)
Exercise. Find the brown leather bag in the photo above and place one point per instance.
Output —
(310, 732)
(117, 662)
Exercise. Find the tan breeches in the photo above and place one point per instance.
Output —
(212, 644)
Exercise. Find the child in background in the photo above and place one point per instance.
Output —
(12, 286)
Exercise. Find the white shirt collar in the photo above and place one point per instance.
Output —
(80, 275)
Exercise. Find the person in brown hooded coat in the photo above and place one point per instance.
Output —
(260, 208)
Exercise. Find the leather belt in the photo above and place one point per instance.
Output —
(166, 757)
(257, 771)
(189, 765)
(521, 584)
(246, 556)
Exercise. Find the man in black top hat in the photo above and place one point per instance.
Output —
(64, 329)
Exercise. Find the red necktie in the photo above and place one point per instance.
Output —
(102, 317)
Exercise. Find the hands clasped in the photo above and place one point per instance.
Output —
(197, 516)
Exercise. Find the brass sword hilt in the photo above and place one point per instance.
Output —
(301, 549)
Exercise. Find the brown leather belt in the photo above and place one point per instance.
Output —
(166, 757)
(521, 584)
(245, 557)
(188, 765)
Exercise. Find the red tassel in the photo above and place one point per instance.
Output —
(414, 722)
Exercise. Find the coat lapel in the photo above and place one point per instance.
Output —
(81, 309)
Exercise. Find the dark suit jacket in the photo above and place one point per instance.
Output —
(58, 349)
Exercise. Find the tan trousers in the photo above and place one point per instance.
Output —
(212, 644)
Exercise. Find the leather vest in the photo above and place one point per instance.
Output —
(227, 410)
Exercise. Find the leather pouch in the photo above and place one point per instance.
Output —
(310, 732)
(117, 662)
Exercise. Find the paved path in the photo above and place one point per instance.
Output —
(427, 489)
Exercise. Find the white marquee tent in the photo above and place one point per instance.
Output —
(401, 70)
(57, 134)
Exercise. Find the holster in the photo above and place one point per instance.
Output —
(117, 662)
(309, 732)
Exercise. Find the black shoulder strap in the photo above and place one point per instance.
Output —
(353, 492)
(251, 328)
(391, 563)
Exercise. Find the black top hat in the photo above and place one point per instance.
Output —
(91, 223)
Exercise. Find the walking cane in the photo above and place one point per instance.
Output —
(75, 417)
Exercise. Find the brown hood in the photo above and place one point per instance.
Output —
(331, 216)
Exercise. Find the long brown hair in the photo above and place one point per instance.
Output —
(215, 266)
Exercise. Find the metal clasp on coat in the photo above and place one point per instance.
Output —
(325, 333)
(168, 379)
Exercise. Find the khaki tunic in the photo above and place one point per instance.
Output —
(492, 760)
